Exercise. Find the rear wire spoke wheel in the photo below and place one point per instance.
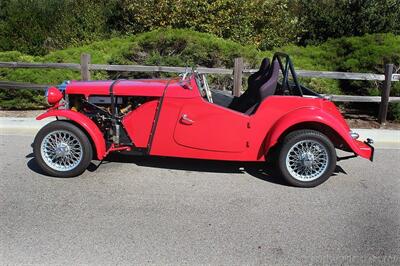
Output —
(62, 149)
(307, 158)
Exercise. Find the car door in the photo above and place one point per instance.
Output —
(206, 126)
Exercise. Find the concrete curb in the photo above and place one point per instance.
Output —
(24, 126)
(16, 125)
(379, 135)
(23, 122)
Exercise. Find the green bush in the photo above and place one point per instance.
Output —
(369, 53)
(266, 24)
(102, 52)
(189, 48)
(21, 99)
(366, 54)
(324, 19)
(37, 27)
(394, 111)
(160, 47)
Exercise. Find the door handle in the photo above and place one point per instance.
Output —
(186, 120)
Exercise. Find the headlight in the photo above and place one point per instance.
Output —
(53, 95)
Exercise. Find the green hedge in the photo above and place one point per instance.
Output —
(37, 27)
(366, 54)
(189, 48)
(160, 47)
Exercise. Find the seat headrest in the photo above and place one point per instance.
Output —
(269, 87)
(264, 65)
(274, 69)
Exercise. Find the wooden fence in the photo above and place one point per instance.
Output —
(85, 67)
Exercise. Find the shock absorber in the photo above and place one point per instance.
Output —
(116, 134)
(114, 121)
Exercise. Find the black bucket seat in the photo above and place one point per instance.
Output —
(268, 88)
(251, 96)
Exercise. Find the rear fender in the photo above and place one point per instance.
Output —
(88, 125)
(315, 115)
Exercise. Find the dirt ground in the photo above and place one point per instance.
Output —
(361, 123)
(354, 120)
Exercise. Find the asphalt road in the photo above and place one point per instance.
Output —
(138, 210)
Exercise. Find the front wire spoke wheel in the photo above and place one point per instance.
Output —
(61, 150)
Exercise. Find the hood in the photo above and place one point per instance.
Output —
(143, 87)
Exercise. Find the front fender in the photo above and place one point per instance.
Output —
(317, 115)
(87, 124)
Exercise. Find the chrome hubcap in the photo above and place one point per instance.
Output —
(61, 150)
(307, 160)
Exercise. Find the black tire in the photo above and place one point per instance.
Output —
(324, 145)
(85, 145)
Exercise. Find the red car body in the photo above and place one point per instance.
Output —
(179, 122)
(273, 120)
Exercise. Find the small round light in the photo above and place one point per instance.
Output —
(354, 135)
(53, 95)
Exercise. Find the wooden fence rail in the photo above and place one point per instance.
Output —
(85, 67)
(221, 71)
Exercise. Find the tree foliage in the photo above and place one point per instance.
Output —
(265, 23)
(40, 30)
(189, 48)
(39, 26)
(323, 19)
(159, 47)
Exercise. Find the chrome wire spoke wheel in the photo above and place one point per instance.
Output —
(61, 150)
(307, 160)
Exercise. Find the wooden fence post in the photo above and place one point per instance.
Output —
(237, 76)
(85, 61)
(383, 108)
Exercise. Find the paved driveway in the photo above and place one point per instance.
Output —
(157, 211)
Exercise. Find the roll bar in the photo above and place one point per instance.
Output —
(286, 66)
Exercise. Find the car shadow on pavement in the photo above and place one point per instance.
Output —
(256, 169)
(34, 167)
(259, 170)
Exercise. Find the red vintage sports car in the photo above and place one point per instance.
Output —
(276, 119)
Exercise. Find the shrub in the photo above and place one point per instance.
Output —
(265, 24)
(160, 47)
(40, 26)
(367, 54)
(184, 47)
(321, 20)
(37, 27)
(189, 48)
(21, 99)
(394, 111)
